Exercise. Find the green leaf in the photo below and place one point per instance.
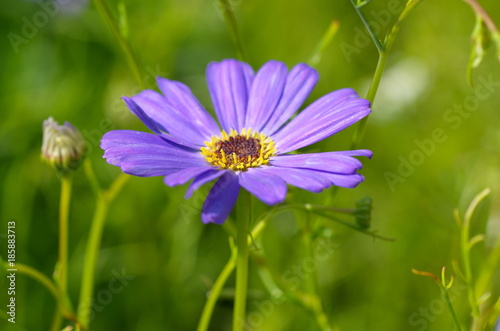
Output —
(495, 37)
(480, 40)
(323, 43)
(476, 240)
(123, 20)
(361, 3)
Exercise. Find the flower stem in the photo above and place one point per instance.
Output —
(465, 250)
(91, 255)
(62, 263)
(485, 280)
(116, 186)
(484, 15)
(310, 302)
(39, 277)
(103, 200)
(370, 96)
(443, 287)
(243, 209)
(323, 43)
(62, 274)
(232, 26)
(307, 243)
(464, 240)
(320, 315)
(312, 281)
(369, 28)
(63, 309)
(124, 44)
(56, 321)
(224, 275)
(215, 292)
(384, 51)
(451, 310)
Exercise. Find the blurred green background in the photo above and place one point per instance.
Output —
(69, 66)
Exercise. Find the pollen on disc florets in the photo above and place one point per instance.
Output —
(239, 151)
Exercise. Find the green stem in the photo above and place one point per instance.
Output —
(56, 321)
(124, 44)
(307, 243)
(369, 28)
(62, 272)
(215, 292)
(39, 277)
(370, 96)
(62, 263)
(297, 295)
(320, 315)
(464, 240)
(225, 273)
(443, 287)
(349, 211)
(89, 172)
(243, 209)
(318, 211)
(232, 26)
(63, 308)
(116, 186)
(454, 317)
(377, 76)
(91, 255)
(485, 280)
(465, 248)
(103, 200)
(316, 304)
(384, 51)
(311, 302)
(323, 43)
(49, 285)
(476, 7)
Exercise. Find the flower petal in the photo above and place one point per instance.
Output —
(267, 187)
(306, 180)
(325, 117)
(347, 181)
(357, 152)
(179, 125)
(145, 154)
(265, 94)
(299, 83)
(221, 199)
(182, 100)
(179, 142)
(334, 162)
(229, 83)
(201, 175)
(150, 123)
(125, 138)
(315, 180)
(202, 179)
(184, 175)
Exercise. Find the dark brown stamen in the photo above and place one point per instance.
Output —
(242, 146)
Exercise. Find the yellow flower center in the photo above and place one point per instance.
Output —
(239, 151)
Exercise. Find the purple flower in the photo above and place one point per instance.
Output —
(250, 147)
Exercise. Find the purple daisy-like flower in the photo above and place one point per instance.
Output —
(250, 147)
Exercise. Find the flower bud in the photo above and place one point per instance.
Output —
(363, 212)
(63, 146)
